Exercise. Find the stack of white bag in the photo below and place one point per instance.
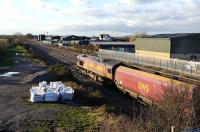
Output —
(37, 95)
(51, 92)
(51, 95)
(66, 93)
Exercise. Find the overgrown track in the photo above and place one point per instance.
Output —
(114, 97)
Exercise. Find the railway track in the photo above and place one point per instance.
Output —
(123, 103)
(68, 58)
(167, 74)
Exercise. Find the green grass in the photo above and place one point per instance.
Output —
(62, 72)
(75, 119)
(70, 118)
(6, 58)
(7, 54)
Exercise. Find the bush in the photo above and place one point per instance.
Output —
(176, 109)
(61, 72)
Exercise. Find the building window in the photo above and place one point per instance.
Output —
(109, 71)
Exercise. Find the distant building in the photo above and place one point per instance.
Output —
(41, 37)
(52, 39)
(182, 46)
(72, 39)
(94, 39)
(121, 39)
(105, 37)
(117, 46)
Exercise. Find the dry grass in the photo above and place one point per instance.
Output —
(177, 109)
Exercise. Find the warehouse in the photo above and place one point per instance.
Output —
(41, 37)
(117, 46)
(181, 46)
(72, 39)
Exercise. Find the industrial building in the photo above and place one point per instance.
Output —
(52, 39)
(105, 37)
(41, 37)
(117, 46)
(181, 46)
(72, 39)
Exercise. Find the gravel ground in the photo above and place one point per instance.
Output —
(15, 110)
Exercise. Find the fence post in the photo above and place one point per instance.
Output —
(196, 69)
(142, 61)
(175, 65)
(167, 64)
(126, 59)
(182, 68)
(160, 63)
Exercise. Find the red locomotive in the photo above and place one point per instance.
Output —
(146, 87)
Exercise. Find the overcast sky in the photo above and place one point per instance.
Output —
(92, 17)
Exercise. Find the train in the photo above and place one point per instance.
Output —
(146, 87)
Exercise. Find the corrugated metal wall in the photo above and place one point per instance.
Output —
(186, 45)
(153, 44)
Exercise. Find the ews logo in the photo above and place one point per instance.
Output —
(144, 87)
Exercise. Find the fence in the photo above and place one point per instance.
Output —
(183, 67)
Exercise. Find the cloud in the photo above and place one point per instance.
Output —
(81, 2)
(119, 16)
(42, 6)
(128, 16)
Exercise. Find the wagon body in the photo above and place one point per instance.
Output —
(146, 86)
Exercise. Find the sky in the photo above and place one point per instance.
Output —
(93, 17)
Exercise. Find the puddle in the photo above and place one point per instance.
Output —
(9, 74)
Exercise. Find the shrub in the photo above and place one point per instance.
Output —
(61, 72)
(176, 109)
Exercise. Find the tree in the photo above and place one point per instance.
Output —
(29, 36)
(137, 35)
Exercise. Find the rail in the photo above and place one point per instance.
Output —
(185, 68)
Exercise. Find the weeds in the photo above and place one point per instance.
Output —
(61, 71)
(75, 119)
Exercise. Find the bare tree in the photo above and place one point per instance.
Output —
(137, 35)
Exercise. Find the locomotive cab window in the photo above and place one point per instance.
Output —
(81, 63)
(109, 71)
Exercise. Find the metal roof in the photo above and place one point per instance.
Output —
(110, 43)
(171, 35)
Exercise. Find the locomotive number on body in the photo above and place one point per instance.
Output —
(144, 87)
